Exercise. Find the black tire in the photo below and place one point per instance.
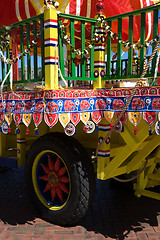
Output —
(81, 185)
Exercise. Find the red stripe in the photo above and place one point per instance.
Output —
(53, 39)
(50, 58)
(99, 62)
(50, 20)
(99, 44)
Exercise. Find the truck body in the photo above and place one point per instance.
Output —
(61, 94)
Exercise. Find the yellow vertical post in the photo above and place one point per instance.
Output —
(51, 49)
(103, 157)
(99, 50)
(21, 145)
(2, 144)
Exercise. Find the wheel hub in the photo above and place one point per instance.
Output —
(52, 179)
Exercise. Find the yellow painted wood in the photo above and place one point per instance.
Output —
(21, 147)
(99, 56)
(2, 144)
(102, 161)
(131, 146)
(151, 194)
(51, 71)
(143, 153)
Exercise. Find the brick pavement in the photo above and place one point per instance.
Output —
(116, 214)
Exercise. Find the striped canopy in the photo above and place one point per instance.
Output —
(16, 10)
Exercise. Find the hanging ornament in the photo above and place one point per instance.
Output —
(5, 128)
(150, 118)
(64, 119)
(69, 129)
(157, 127)
(123, 118)
(37, 118)
(75, 118)
(8, 118)
(26, 119)
(17, 118)
(97, 116)
(119, 127)
(85, 117)
(89, 127)
(134, 118)
(108, 115)
(51, 119)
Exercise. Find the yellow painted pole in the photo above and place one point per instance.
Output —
(21, 145)
(99, 50)
(51, 49)
(103, 157)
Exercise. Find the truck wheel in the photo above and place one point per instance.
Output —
(58, 181)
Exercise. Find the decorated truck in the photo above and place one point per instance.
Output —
(80, 99)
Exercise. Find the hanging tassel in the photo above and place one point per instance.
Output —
(150, 130)
(17, 131)
(0, 129)
(135, 130)
(122, 129)
(111, 126)
(36, 131)
(9, 129)
(27, 131)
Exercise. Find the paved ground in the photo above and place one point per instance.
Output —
(116, 214)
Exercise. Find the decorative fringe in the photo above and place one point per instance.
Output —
(36, 131)
(135, 131)
(17, 131)
(27, 131)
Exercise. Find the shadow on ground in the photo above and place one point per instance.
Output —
(114, 213)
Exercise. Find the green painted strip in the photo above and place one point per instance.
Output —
(155, 34)
(119, 48)
(80, 78)
(22, 50)
(142, 41)
(92, 54)
(8, 65)
(24, 22)
(78, 18)
(35, 47)
(28, 55)
(42, 46)
(3, 69)
(130, 50)
(134, 13)
(60, 37)
(109, 51)
(73, 44)
(83, 62)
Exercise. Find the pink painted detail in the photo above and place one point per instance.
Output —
(118, 104)
(52, 107)
(137, 104)
(84, 105)
(75, 118)
(97, 116)
(51, 119)
(156, 104)
(69, 105)
(100, 104)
